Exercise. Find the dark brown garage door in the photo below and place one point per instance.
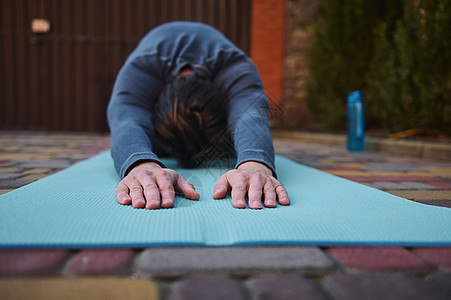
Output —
(59, 58)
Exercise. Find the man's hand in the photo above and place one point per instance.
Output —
(254, 179)
(151, 186)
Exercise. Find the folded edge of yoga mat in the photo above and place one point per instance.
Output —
(76, 208)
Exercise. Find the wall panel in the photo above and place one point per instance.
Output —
(62, 80)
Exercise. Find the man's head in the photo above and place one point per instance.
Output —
(190, 115)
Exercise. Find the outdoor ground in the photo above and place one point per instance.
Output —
(289, 272)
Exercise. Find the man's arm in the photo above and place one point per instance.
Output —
(248, 123)
(248, 109)
(130, 116)
(145, 182)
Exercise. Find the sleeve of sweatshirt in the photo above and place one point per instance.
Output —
(130, 114)
(248, 108)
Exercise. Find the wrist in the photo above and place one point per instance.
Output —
(148, 164)
(142, 165)
(255, 167)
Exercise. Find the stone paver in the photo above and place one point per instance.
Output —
(442, 281)
(380, 259)
(13, 184)
(387, 286)
(422, 194)
(37, 171)
(419, 185)
(445, 185)
(4, 191)
(216, 287)
(286, 287)
(5, 164)
(436, 203)
(390, 178)
(100, 262)
(48, 163)
(438, 256)
(9, 176)
(167, 261)
(31, 262)
(76, 289)
(386, 185)
(390, 167)
(34, 177)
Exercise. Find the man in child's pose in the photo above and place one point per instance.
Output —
(184, 91)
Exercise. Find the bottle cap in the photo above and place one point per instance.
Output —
(355, 96)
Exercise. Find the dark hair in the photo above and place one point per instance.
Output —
(190, 115)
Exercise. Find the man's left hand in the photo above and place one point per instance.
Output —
(255, 180)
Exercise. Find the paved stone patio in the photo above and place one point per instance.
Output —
(270, 272)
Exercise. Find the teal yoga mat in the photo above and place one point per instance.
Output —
(76, 208)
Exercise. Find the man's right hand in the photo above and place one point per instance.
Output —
(151, 186)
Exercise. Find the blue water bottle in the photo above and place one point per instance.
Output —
(356, 122)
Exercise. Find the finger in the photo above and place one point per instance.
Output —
(269, 194)
(122, 195)
(151, 192)
(239, 190)
(136, 193)
(221, 188)
(255, 191)
(282, 194)
(187, 189)
(165, 184)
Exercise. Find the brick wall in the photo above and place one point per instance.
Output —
(299, 34)
(267, 44)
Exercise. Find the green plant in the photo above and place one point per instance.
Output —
(340, 56)
(397, 52)
(410, 82)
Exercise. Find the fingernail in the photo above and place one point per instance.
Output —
(241, 202)
(271, 203)
(154, 203)
(139, 203)
(257, 204)
(166, 201)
